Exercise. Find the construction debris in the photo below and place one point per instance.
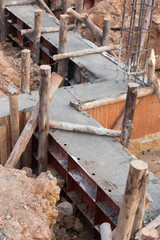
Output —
(90, 169)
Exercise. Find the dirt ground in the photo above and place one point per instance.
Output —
(112, 9)
(148, 149)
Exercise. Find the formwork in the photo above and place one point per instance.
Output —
(94, 167)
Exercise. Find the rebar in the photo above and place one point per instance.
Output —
(133, 52)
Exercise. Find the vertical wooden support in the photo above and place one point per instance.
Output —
(62, 64)
(25, 70)
(2, 20)
(65, 6)
(118, 125)
(43, 118)
(106, 31)
(131, 199)
(151, 68)
(79, 9)
(37, 35)
(130, 105)
(14, 118)
(138, 221)
(3, 143)
(27, 155)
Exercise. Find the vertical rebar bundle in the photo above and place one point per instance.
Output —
(135, 34)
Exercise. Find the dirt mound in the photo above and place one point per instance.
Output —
(105, 9)
(27, 205)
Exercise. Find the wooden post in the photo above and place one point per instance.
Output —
(74, 14)
(149, 234)
(83, 52)
(2, 20)
(30, 126)
(105, 231)
(79, 9)
(130, 105)
(47, 9)
(96, 31)
(37, 35)
(27, 155)
(62, 65)
(151, 68)
(152, 225)
(25, 70)
(84, 129)
(43, 118)
(141, 208)
(14, 118)
(106, 30)
(65, 6)
(118, 125)
(3, 143)
(131, 199)
(46, 30)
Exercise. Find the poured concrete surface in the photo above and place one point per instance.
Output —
(104, 157)
(95, 67)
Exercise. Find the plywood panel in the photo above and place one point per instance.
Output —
(146, 119)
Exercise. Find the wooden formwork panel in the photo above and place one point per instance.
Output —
(146, 118)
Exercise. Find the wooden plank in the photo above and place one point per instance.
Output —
(83, 52)
(143, 92)
(84, 129)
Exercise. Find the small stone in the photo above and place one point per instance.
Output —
(28, 171)
(143, 152)
(64, 209)
(8, 217)
(74, 237)
(67, 222)
(78, 226)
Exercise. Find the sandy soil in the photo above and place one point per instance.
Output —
(148, 149)
(27, 205)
